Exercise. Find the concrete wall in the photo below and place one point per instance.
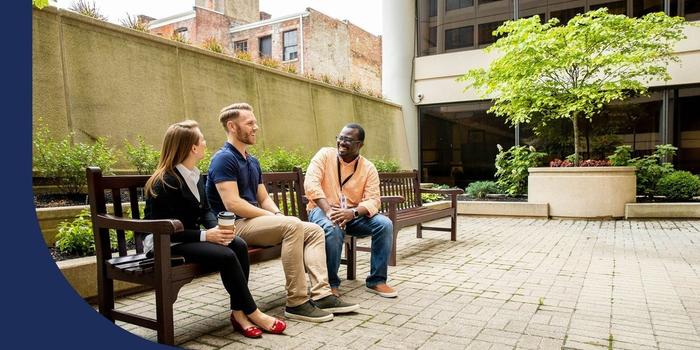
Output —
(99, 79)
(435, 75)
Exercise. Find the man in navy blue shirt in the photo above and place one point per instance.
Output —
(235, 184)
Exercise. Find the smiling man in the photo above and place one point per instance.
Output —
(343, 189)
(235, 184)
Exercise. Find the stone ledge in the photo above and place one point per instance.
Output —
(503, 208)
(662, 210)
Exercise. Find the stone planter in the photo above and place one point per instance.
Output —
(583, 192)
(81, 274)
(662, 211)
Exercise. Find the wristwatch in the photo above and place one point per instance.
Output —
(355, 213)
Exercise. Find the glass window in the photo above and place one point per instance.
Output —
(457, 4)
(566, 15)
(265, 47)
(433, 8)
(643, 7)
(459, 37)
(486, 32)
(241, 45)
(290, 45)
(432, 38)
(614, 7)
(691, 10)
(458, 142)
(687, 129)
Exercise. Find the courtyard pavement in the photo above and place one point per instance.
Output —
(506, 283)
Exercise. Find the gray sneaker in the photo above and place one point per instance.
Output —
(307, 312)
(333, 304)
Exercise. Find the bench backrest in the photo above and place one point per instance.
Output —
(119, 191)
(405, 184)
(287, 191)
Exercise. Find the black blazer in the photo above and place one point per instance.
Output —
(178, 202)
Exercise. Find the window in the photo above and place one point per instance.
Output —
(485, 32)
(265, 47)
(240, 46)
(643, 7)
(457, 4)
(692, 10)
(459, 37)
(432, 38)
(289, 40)
(182, 33)
(615, 7)
(432, 8)
(566, 15)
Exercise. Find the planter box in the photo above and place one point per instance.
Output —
(500, 208)
(583, 192)
(662, 210)
(81, 274)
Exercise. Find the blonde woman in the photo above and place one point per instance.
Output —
(176, 191)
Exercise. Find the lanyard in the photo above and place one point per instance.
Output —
(342, 183)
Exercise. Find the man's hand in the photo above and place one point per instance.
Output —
(220, 236)
(341, 217)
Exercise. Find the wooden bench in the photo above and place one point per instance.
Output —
(165, 273)
(410, 211)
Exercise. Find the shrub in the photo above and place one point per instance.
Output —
(87, 8)
(135, 23)
(584, 163)
(290, 68)
(430, 197)
(650, 168)
(142, 156)
(212, 44)
(203, 164)
(479, 189)
(243, 55)
(179, 38)
(280, 159)
(326, 79)
(386, 166)
(679, 185)
(270, 62)
(511, 168)
(66, 162)
(75, 236)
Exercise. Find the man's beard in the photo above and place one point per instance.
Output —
(245, 138)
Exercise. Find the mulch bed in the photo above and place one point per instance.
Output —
(47, 200)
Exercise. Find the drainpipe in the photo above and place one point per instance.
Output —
(301, 44)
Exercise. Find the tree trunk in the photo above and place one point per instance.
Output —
(574, 119)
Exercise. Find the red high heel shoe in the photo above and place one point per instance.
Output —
(278, 327)
(250, 332)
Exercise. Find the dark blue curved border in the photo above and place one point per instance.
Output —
(40, 309)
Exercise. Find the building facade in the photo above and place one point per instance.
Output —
(314, 43)
(457, 139)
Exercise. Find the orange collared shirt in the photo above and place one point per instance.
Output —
(322, 181)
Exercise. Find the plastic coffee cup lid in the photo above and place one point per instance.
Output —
(226, 215)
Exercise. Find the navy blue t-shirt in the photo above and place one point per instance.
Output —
(228, 164)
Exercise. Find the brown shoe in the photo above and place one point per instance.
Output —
(335, 292)
(383, 290)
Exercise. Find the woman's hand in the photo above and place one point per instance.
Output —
(220, 236)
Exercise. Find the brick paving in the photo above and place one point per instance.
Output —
(506, 283)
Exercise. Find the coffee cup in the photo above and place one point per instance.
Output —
(227, 220)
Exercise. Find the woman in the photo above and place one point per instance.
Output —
(176, 191)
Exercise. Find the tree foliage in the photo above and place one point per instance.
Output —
(549, 71)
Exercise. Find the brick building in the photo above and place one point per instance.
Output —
(314, 43)
(311, 41)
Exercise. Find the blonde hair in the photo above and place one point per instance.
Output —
(177, 144)
(232, 112)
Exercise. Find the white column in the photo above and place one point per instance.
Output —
(398, 37)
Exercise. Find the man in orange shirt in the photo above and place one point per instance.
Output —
(343, 189)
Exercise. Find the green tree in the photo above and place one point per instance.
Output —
(551, 71)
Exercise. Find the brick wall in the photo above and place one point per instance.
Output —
(275, 30)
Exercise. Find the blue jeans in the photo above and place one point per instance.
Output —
(379, 227)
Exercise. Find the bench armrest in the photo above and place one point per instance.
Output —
(446, 191)
(166, 226)
(392, 199)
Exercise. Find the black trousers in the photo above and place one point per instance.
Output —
(231, 261)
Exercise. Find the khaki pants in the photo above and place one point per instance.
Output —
(303, 249)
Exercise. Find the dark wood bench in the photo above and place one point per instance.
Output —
(164, 272)
(410, 211)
